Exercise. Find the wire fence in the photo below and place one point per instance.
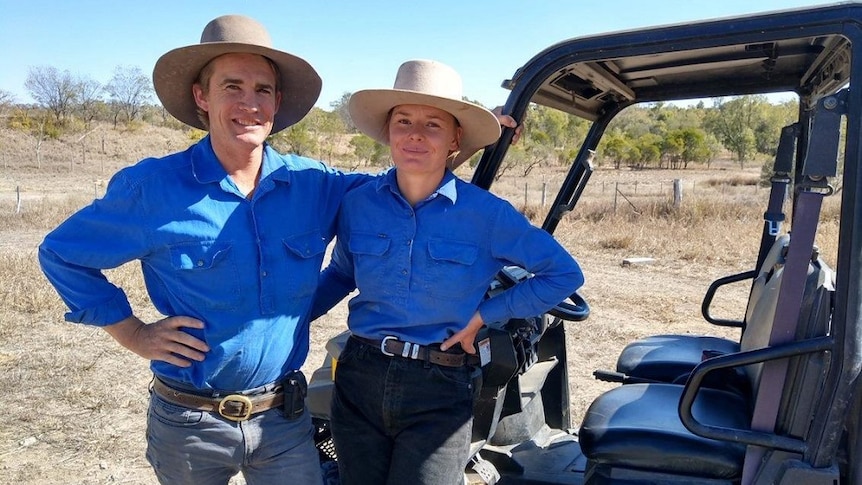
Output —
(532, 193)
(518, 191)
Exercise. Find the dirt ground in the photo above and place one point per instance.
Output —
(74, 402)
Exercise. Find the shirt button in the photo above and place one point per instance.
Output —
(200, 262)
(263, 273)
(404, 271)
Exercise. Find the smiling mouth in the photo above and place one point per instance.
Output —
(247, 123)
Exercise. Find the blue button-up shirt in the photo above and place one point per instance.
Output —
(247, 268)
(423, 271)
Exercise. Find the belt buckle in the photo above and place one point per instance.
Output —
(383, 345)
(236, 398)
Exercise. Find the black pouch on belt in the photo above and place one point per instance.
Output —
(295, 389)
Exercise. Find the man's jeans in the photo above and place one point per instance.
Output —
(185, 446)
(400, 421)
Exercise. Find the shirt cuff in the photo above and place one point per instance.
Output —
(493, 310)
(108, 313)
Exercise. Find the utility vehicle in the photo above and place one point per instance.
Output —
(782, 404)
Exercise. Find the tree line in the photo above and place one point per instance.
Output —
(657, 135)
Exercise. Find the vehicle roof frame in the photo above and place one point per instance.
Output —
(843, 19)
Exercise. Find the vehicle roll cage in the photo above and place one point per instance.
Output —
(814, 52)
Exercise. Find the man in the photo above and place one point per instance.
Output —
(231, 236)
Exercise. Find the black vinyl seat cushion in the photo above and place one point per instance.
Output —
(667, 358)
(637, 426)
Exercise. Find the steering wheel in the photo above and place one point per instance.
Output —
(573, 309)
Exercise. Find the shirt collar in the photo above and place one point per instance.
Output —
(207, 168)
(448, 187)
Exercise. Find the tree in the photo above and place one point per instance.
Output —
(733, 123)
(537, 148)
(296, 139)
(615, 145)
(673, 147)
(773, 118)
(367, 150)
(634, 121)
(54, 90)
(89, 98)
(7, 100)
(648, 149)
(339, 107)
(129, 90)
(552, 123)
(327, 127)
(685, 145)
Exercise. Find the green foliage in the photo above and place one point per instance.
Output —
(20, 120)
(734, 122)
(195, 134)
(655, 135)
(367, 150)
(339, 108)
(296, 139)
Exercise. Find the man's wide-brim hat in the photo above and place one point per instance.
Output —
(177, 70)
(428, 83)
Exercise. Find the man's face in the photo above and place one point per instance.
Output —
(241, 99)
(421, 138)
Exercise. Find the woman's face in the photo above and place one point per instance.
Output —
(421, 138)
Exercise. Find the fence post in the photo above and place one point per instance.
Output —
(544, 192)
(616, 191)
(677, 193)
(525, 194)
(18, 197)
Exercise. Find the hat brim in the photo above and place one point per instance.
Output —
(370, 108)
(177, 70)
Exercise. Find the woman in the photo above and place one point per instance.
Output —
(422, 247)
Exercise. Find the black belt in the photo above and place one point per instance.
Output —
(235, 407)
(393, 347)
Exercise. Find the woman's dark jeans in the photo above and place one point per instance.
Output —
(400, 421)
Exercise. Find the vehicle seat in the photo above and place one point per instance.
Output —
(670, 358)
(634, 432)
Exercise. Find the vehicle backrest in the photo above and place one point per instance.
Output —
(806, 374)
(764, 300)
(774, 260)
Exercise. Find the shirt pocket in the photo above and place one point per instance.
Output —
(368, 244)
(206, 275)
(450, 267)
(375, 269)
(304, 257)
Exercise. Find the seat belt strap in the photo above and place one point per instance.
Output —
(780, 180)
(820, 162)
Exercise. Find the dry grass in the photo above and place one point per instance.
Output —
(75, 402)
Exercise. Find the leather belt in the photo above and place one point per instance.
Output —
(235, 407)
(393, 347)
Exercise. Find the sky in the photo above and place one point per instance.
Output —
(352, 44)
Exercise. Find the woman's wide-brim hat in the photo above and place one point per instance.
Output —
(428, 83)
(178, 69)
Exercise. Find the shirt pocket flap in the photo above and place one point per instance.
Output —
(369, 244)
(453, 251)
(198, 255)
(306, 245)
